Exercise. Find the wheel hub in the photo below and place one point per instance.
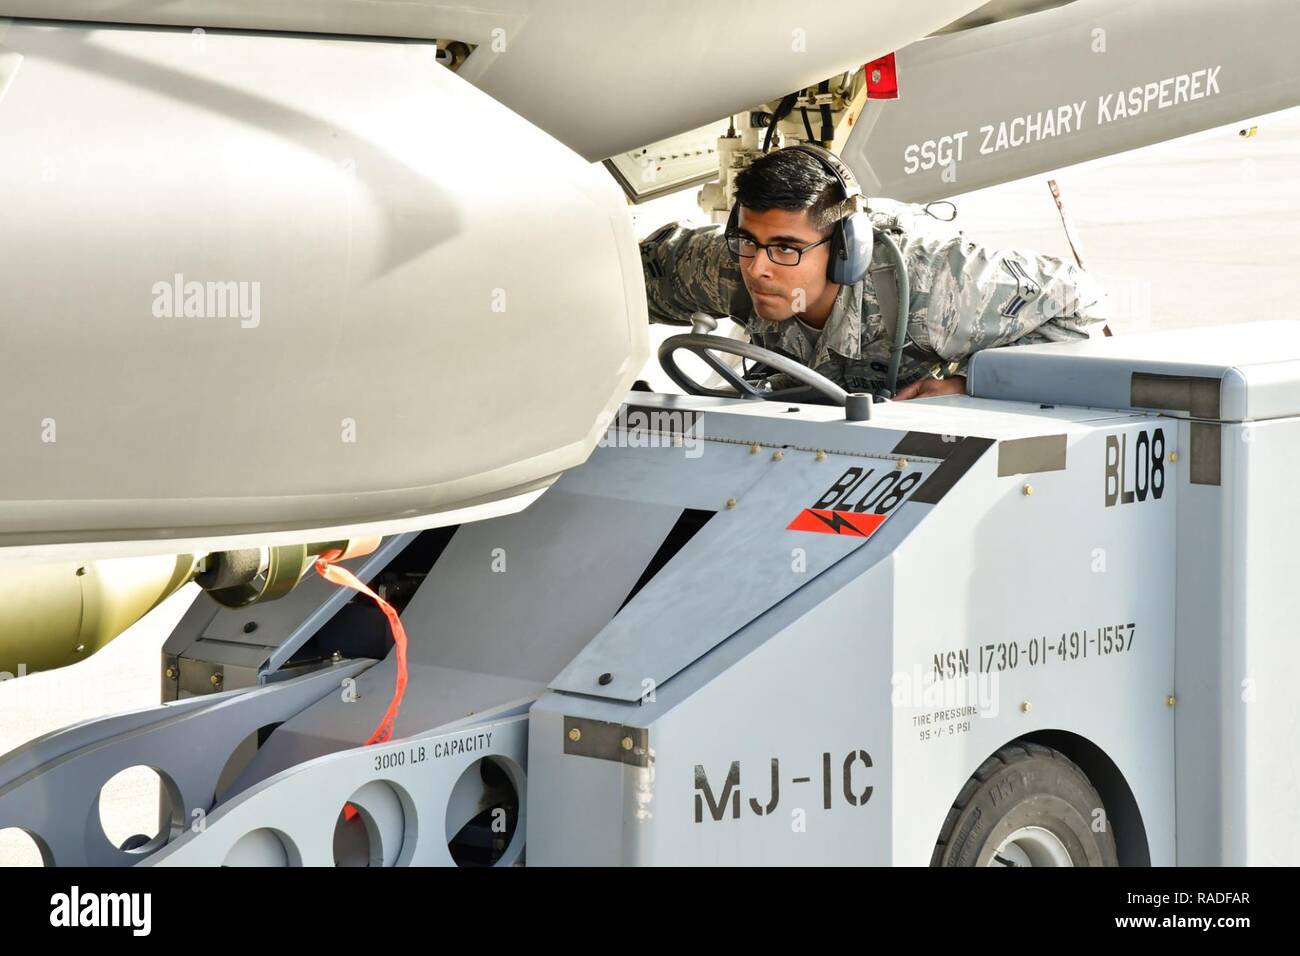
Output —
(1031, 846)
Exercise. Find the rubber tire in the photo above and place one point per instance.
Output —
(1024, 784)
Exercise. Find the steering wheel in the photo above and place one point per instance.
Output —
(704, 345)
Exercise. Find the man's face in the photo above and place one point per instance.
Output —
(779, 291)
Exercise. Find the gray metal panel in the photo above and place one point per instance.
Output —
(480, 637)
(955, 465)
(837, 667)
(745, 552)
(603, 740)
(1027, 456)
(1265, 390)
(1198, 396)
(1048, 86)
(927, 445)
(1249, 360)
(32, 754)
(313, 597)
(776, 424)
(192, 623)
(1033, 567)
(302, 612)
(435, 696)
(637, 477)
(1260, 706)
(1238, 604)
(1206, 443)
(219, 667)
(567, 564)
(58, 799)
(1204, 675)
(408, 789)
(579, 804)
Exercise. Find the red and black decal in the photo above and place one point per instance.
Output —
(862, 498)
(857, 503)
(836, 522)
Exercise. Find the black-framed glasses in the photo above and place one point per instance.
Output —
(781, 253)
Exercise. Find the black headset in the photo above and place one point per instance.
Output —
(851, 242)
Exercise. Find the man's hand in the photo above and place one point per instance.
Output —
(927, 387)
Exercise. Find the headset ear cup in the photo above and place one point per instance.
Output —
(835, 263)
(857, 240)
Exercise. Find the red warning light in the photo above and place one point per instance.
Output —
(882, 78)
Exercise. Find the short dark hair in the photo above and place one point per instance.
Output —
(793, 180)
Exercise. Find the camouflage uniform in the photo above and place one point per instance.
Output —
(964, 297)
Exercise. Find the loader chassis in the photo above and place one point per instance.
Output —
(753, 632)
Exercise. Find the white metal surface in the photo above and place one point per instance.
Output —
(401, 287)
(602, 77)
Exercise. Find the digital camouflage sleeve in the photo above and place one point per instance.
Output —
(967, 296)
(689, 270)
